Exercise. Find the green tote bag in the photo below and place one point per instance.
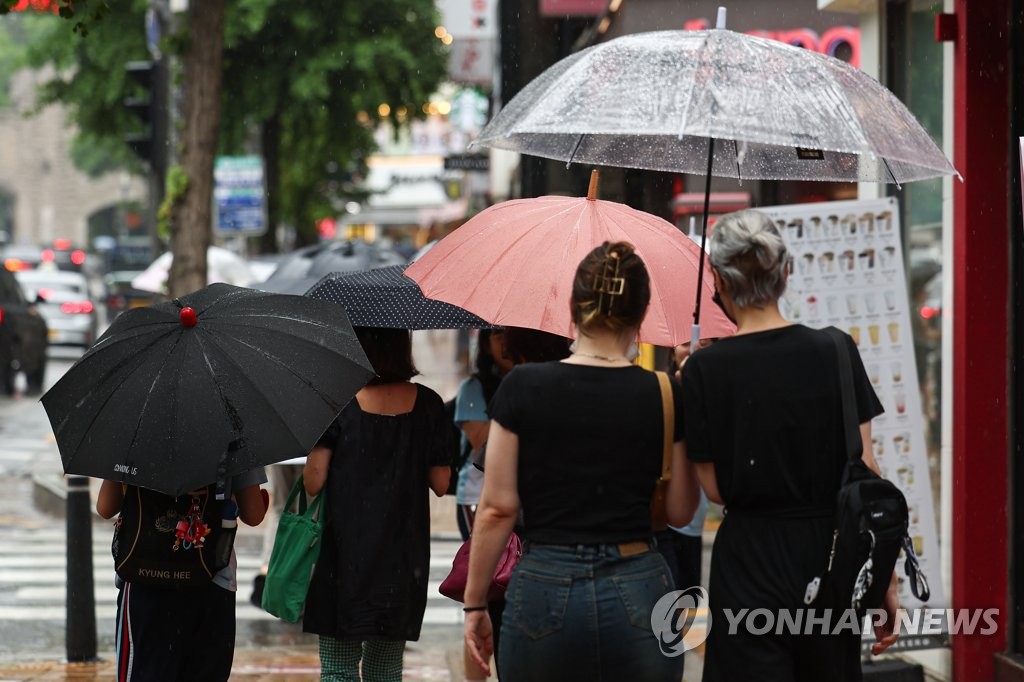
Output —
(296, 549)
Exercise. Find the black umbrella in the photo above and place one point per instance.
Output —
(181, 394)
(304, 267)
(385, 297)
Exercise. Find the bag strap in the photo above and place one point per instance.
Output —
(668, 419)
(306, 508)
(854, 444)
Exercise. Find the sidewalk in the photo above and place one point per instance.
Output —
(423, 661)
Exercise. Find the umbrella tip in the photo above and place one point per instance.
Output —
(592, 190)
(720, 21)
(188, 317)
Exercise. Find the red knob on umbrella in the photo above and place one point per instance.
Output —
(188, 317)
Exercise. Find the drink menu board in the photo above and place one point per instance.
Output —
(847, 271)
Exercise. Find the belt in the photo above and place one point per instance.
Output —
(626, 549)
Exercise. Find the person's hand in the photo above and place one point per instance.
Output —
(885, 634)
(479, 638)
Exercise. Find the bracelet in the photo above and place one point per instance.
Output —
(469, 609)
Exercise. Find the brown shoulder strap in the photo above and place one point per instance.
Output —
(668, 418)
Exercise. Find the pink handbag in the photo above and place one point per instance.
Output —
(454, 586)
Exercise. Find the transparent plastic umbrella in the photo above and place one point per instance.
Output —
(655, 100)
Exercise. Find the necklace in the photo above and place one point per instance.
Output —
(621, 358)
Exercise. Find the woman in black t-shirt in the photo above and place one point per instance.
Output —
(379, 460)
(764, 428)
(577, 446)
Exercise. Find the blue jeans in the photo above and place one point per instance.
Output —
(584, 612)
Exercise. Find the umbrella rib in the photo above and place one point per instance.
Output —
(237, 422)
(274, 359)
(540, 225)
(844, 106)
(110, 395)
(689, 100)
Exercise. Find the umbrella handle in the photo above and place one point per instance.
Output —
(694, 337)
(704, 229)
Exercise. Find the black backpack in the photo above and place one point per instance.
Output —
(175, 542)
(871, 523)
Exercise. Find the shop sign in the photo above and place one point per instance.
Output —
(469, 18)
(471, 60)
(842, 42)
(578, 8)
(238, 195)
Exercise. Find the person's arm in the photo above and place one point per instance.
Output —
(253, 502)
(440, 477)
(109, 499)
(476, 432)
(708, 481)
(495, 517)
(314, 474)
(885, 633)
(868, 455)
(683, 490)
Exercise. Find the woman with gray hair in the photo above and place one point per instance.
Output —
(763, 425)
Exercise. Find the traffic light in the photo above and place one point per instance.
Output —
(145, 104)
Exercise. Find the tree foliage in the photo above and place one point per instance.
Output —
(82, 13)
(302, 73)
(90, 81)
(302, 83)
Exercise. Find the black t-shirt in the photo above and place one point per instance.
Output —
(765, 408)
(590, 448)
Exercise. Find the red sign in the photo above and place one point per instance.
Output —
(842, 42)
(579, 8)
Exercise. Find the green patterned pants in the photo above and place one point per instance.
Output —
(381, 661)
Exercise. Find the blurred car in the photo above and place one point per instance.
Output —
(64, 302)
(121, 295)
(65, 255)
(23, 337)
(16, 257)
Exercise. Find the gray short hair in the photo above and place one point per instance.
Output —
(747, 251)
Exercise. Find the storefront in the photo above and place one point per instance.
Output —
(957, 69)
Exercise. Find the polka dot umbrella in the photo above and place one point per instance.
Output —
(385, 297)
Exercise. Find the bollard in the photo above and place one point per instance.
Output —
(80, 630)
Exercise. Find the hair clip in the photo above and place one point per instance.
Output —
(613, 286)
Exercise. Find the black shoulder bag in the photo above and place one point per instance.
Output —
(871, 522)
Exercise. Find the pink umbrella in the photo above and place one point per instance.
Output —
(513, 265)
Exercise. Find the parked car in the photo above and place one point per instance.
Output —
(23, 337)
(63, 300)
